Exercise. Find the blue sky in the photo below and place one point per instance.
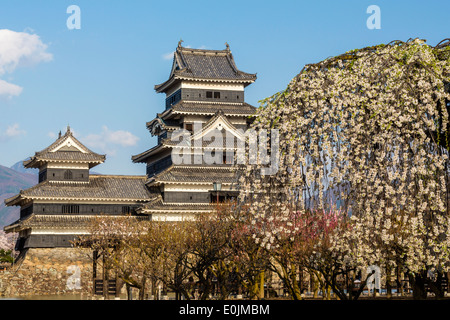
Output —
(99, 79)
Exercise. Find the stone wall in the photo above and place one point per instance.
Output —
(48, 271)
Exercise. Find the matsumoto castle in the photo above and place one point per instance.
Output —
(205, 88)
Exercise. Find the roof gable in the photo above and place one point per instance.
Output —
(68, 143)
(218, 122)
(65, 148)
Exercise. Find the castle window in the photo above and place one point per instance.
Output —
(126, 209)
(211, 94)
(70, 208)
(174, 98)
(42, 175)
(26, 211)
(188, 127)
(68, 175)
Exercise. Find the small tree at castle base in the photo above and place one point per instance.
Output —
(7, 243)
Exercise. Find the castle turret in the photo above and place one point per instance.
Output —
(65, 160)
(60, 207)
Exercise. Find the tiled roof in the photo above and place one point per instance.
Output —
(69, 156)
(141, 157)
(58, 151)
(201, 64)
(161, 124)
(210, 65)
(241, 109)
(160, 206)
(196, 174)
(99, 187)
(68, 221)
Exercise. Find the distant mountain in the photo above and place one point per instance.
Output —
(11, 182)
(18, 166)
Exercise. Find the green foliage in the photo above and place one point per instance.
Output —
(6, 256)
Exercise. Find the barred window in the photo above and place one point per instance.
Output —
(70, 208)
(68, 175)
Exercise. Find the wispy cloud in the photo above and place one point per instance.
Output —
(14, 131)
(19, 49)
(108, 140)
(9, 90)
(168, 56)
(11, 131)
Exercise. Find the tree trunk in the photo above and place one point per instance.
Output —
(142, 289)
(399, 282)
(436, 286)
(205, 282)
(129, 292)
(388, 283)
(105, 278)
(418, 286)
(261, 285)
(314, 285)
(153, 290)
(328, 292)
(295, 288)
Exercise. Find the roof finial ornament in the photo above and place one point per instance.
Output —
(59, 134)
(228, 46)
(68, 129)
(180, 42)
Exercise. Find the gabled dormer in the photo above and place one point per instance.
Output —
(65, 160)
(219, 123)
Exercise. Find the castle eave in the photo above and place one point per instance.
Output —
(141, 158)
(99, 188)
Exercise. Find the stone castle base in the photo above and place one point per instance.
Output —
(48, 271)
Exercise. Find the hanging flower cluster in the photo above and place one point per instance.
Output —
(367, 131)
